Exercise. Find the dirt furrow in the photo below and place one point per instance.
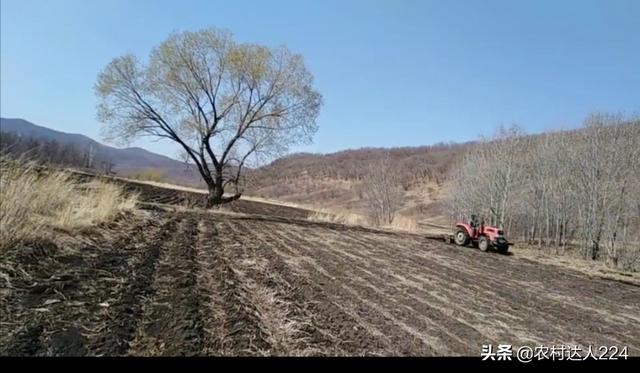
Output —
(536, 316)
(443, 329)
(244, 331)
(208, 285)
(504, 322)
(516, 272)
(125, 312)
(324, 328)
(171, 324)
(542, 278)
(73, 297)
(439, 289)
(550, 306)
(332, 279)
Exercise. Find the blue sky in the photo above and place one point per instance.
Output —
(392, 73)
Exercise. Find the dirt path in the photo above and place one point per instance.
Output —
(195, 283)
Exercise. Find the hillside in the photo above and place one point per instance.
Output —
(336, 181)
(126, 161)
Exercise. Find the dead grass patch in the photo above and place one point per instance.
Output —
(32, 199)
(339, 217)
(403, 223)
(588, 267)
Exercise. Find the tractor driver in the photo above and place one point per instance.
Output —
(474, 223)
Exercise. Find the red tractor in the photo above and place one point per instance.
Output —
(484, 237)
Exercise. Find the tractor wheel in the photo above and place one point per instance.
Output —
(483, 244)
(461, 237)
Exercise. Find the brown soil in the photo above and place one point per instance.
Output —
(200, 283)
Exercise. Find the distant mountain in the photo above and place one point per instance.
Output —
(127, 161)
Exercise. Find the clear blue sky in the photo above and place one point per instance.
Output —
(392, 73)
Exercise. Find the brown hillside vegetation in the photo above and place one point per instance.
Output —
(175, 281)
(338, 181)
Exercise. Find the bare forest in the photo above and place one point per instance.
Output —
(568, 190)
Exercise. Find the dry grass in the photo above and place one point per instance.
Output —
(149, 174)
(339, 216)
(589, 267)
(32, 200)
(403, 223)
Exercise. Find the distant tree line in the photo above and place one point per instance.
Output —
(560, 189)
(52, 152)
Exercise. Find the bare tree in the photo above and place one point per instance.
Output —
(224, 103)
(484, 181)
(382, 191)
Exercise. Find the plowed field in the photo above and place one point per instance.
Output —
(208, 283)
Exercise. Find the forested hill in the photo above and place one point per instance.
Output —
(336, 179)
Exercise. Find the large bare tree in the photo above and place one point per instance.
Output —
(224, 103)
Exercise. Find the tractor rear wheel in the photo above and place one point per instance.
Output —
(461, 237)
(483, 244)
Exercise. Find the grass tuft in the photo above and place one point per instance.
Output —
(33, 199)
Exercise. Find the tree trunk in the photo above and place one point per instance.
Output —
(215, 196)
